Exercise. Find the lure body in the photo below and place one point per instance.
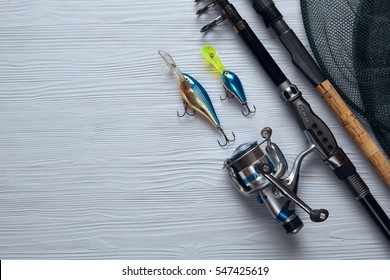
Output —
(194, 94)
(233, 85)
(230, 81)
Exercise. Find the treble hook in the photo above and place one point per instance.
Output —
(248, 110)
(227, 140)
(185, 111)
(228, 95)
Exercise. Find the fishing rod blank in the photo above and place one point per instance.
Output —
(304, 61)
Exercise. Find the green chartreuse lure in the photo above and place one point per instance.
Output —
(231, 82)
(195, 97)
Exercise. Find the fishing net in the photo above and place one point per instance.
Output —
(350, 40)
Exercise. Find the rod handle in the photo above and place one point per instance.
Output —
(355, 129)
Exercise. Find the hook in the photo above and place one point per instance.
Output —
(185, 111)
(228, 95)
(248, 110)
(227, 140)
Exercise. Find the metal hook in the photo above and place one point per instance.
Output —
(228, 95)
(185, 111)
(248, 110)
(227, 140)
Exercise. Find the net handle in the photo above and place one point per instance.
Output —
(356, 130)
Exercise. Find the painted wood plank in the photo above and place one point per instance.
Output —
(94, 163)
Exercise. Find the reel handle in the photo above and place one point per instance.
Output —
(316, 215)
(319, 215)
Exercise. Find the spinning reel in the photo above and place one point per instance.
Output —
(260, 168)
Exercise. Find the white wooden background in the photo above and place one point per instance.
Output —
(95, 164)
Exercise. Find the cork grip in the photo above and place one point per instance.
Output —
(355, 129)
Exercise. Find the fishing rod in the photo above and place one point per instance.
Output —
(315, 130)
(306, 64)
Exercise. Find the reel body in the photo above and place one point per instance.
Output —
(261, 169)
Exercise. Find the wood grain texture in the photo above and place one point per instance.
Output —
(94, 163)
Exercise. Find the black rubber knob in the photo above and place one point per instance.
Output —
(319, 215)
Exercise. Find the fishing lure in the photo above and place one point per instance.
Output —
(195, 97)
(230, 81)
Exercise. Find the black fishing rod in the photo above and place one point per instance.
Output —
(303, 60)
(315, 130)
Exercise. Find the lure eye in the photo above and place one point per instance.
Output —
(226, 73)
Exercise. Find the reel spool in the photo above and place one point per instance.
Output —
(261, 169)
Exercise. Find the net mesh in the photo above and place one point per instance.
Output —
(350, 40)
